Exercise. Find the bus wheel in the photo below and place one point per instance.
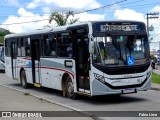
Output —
(70, 88)
(23, 79)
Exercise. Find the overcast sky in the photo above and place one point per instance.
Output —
(22, 11)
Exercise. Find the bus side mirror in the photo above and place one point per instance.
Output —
(91, 47)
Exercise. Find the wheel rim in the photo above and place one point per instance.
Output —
(70, 89)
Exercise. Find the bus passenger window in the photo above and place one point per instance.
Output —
(64, 45)
(61, 48)
(70, 48)
(50, 46)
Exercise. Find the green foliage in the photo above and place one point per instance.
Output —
(155, 78)
(1, 39)
(62, 19)
(153, 58)
(3, 32)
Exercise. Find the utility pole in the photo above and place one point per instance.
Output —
(151, 17)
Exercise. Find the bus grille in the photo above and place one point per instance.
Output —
(118, 70)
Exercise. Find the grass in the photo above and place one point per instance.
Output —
(155, 78)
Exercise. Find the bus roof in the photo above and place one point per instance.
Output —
(61, 28)
(46, 30)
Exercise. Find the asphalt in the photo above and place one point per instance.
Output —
(13, 100)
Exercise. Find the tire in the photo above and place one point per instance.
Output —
(70, 89)
(23, 80)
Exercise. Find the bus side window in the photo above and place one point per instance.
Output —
(61, 48)
(50, 46)
(23, 52)
(27, 47)
(64, 45)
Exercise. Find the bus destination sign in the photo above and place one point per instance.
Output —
(108, 27)
(100, 27)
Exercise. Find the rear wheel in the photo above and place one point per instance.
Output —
(23, 80)
(70, 89)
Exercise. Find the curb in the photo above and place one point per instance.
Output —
(56, 103)
(154, 88)
(156, 72)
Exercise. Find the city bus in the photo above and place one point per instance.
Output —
(91, 58)
(2, 67)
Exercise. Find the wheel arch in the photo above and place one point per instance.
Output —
(63, 83)
(21, 69)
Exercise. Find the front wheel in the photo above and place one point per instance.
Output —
(70, 89)
(23, 80)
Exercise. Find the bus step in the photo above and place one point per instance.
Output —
(37, 85)
(84, 93)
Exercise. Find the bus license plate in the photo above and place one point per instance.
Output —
(129, 90)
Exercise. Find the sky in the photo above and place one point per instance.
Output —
(16, 15)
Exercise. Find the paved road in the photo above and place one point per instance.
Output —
(142, 101)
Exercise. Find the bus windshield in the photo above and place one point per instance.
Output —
(115, 49)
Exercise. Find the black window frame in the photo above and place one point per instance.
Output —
(47, 45)
(67, 34)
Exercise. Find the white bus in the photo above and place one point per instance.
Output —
(92, 58)
(2, 67)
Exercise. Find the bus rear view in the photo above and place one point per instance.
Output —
(121, 58)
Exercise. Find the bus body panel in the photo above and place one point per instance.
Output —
(101, 87)
(51, 71)
(8, 67)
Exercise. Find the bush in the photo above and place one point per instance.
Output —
(1, 39)
(153, 58)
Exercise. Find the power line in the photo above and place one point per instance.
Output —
(144, 5)
(101, 7)
(25, 22)
(75, 13)
(83, 11)
(95, 8)
(17, 7)
(38, 15)
(79, 12)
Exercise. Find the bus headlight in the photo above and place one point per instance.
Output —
(99, 77)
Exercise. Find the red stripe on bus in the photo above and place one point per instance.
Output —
(53, 69)
(26, 58)
(58, 69)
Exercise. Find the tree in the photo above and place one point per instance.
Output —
(153, 58)
(62, 19)
(3, 32)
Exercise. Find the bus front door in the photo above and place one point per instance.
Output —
(35, 57)
(13, 58)
(82, 64)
